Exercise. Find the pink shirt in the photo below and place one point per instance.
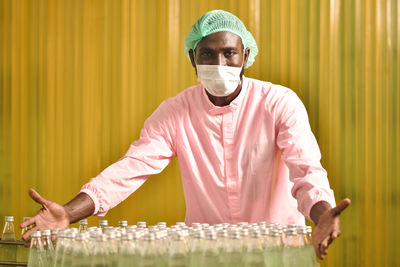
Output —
(253, 160)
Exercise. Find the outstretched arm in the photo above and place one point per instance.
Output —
(53, 215)
(326, 220)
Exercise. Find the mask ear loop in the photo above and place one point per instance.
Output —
(244, 56)
(194, 56)
(242, 69)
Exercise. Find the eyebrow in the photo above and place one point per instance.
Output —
(209, 49)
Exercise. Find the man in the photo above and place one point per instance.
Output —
(245, 147)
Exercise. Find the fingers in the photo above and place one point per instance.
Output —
(28, 222)
(322, 247)
(27, 243)
(335, 235)
(27, 234)
(341, 206)
(38, 198)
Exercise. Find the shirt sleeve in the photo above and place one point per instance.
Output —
(150, 154)
(301, 154)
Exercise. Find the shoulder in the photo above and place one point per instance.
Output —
(176, 106)
(273, 96)
(182, 100)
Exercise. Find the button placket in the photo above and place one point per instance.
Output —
(230, 168)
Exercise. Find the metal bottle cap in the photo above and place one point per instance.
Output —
(9, 218)
(35, 234)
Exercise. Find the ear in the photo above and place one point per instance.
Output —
(191, 55)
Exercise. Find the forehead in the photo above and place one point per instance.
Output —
(220, 40)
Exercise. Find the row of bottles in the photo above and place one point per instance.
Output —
(243, 244)
(12, 252)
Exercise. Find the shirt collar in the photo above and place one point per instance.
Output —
(213, 109)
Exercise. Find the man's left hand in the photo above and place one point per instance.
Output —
(327, 228)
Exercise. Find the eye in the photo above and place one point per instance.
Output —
(230, 53)
(205, 54)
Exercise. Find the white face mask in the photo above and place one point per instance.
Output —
(219, 80)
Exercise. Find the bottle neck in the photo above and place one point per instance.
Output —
(36, 243)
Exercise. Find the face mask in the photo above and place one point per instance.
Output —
(219, 80)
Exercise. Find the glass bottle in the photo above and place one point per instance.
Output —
(196, 248)
(233, 253)
(178, 253)
(48, 247)
(8, 230)
(83, 224)
(254, 256)
(291, 248)
(69, 243)
(307, 255)
(60, 247)
(99, 254)
(25, 228)
(147, 251)
(273, 247)
(36, 251)
(210, 255)
(80, 252)
(112, 247)
(8, 252)
(128, 254)
(222, 238)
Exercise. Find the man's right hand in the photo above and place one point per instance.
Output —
(50, 216)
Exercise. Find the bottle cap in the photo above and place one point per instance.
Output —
(222, 233)
(198, 234)
(162, 224)
(46, 232)
(302, 230)
(103, 222)
(211, 235)
(291, 231)
(123, 223)
(71, 234)
(35, 234)
(9, 218)
(54, 231)
(196, 225)
(233, 234)
(83, 222)
(26, 218)
(255, 233)
(141, 224)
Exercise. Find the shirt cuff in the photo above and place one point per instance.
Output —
(313, 197)
(85, 189)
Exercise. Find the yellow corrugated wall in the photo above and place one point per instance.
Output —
(79, 77)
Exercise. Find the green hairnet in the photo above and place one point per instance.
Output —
(218, 21)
